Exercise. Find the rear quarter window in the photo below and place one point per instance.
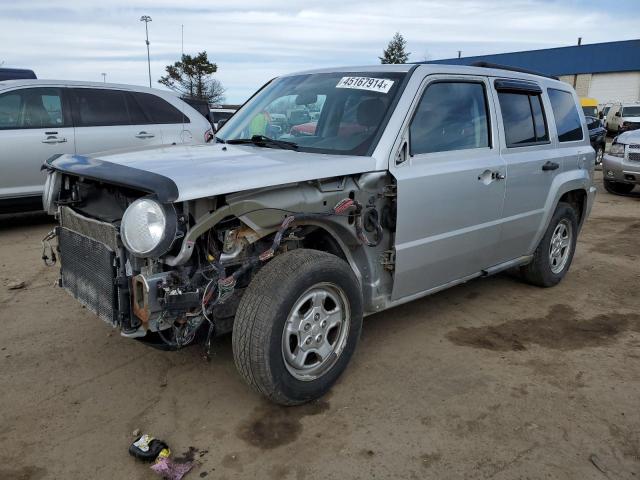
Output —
(566, 115)
(158, 110)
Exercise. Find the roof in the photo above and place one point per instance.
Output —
(71, 83)
(622, 56)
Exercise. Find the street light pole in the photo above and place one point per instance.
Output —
(104, 77)
(146, 19)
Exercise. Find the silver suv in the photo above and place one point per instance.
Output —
(41, 118)
(406, 180)
(621, 165)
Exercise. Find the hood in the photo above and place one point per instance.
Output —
(187, 172)
(632, 136)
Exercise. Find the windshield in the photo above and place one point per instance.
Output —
(590, 111)
(336, 113)
(631, 112)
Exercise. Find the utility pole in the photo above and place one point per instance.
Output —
(104, 77)
(459, 53)
(146, 19)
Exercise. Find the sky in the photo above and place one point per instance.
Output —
(253, 41)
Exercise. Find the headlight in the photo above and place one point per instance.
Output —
(617, 150)
(148, 228)
(50, 192)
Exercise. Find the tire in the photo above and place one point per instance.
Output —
(599, 155)
(541, 271)
(618, 188)
(264, 351)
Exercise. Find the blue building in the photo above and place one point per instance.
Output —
(608, 71)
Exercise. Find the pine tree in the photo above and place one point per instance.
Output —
(395, 52)
(193, 77)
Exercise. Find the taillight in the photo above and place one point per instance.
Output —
(208, 136)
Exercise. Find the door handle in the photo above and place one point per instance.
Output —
(550, 166)
(497, 175)
(145, 135)
(53, 139)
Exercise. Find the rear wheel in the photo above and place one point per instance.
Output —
(618, 188)
(297, 326)
(554, 254)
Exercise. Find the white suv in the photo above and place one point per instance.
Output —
(41, 118)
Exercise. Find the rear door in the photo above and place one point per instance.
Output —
(108, 119)
(173, 123)
(533, 161)
(35, 123)
(451, 189)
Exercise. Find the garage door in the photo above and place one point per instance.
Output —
(612, 87)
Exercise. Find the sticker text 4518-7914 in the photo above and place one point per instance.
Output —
(381, 85)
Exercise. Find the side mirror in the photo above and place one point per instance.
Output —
(600, 115)
(618, 114)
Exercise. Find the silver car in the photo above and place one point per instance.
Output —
(621, 165)
(41, 118)
(411, 179)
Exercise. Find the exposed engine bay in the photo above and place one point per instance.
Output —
(172, 273)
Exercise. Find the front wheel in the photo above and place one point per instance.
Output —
(554, 254)
(297, 326)
(618, 188)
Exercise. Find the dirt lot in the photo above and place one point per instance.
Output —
(492, 379)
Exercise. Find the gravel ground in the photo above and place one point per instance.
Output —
(491, 379)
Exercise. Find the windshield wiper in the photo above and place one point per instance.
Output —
(264, 141)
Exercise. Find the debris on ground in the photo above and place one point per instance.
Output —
(148, 448)
(16, 285)
(170, 469)
(593, 458)
(136, 432)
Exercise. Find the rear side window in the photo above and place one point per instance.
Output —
(158, 110)
(450, 116)
(523, 119)
(32, 108)
(97, 107)
(566, 115)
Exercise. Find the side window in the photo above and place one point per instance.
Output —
(450, 116)
(100, 107)
(31, 108)
(136, 115)
(566, 115)
(159, 110)
(523, 118)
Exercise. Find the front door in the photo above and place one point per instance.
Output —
(451, 189)
(34, 125)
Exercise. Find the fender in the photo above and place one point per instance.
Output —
(577, 179)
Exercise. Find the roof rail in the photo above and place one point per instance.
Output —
(511, 69)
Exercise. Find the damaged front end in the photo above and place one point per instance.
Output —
(169, 273)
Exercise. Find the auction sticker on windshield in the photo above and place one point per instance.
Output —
(366, 83)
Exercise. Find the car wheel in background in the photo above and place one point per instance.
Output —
(618, 188)
(599, 155)
(554, 254)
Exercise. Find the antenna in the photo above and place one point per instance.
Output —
(182, 40)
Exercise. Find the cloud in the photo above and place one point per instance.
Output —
(253, 41)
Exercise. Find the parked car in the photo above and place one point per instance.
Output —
(623, 117)
(457, 173)
(589, 106)
(597, 137)
(218, 114)
(200, 105)
(16, 74)
(621, 165)
(604, 111)
(41, 118)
